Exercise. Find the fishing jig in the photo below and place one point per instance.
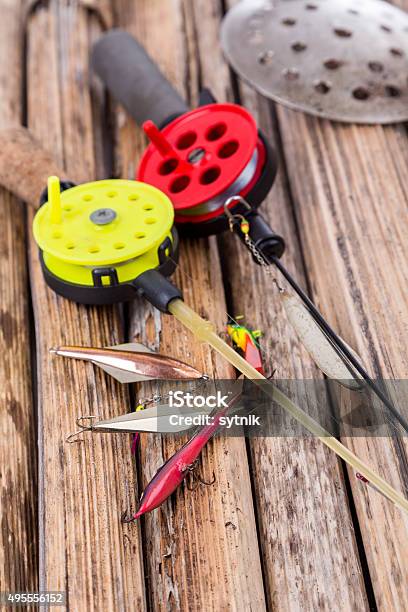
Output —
(217, 169)
(173, 472)
(132, 362)
(246, 341)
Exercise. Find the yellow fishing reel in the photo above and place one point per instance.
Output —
(100, 242)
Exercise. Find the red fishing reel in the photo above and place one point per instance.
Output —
(204, 157)
(198, 158)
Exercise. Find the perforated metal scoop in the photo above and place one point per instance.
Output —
(340, 59)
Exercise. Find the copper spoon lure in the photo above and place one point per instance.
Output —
(132, 363)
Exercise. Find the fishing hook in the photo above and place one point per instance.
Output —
(236, 200)
(196, 481)
(71, 439)
(233, 219)
(196, 478)
(271, 376)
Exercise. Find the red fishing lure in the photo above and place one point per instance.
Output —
(176, 469)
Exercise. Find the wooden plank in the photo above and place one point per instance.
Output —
(360, 286)
(292, 476)
(84, 488)
(202, 547)
(351, 204)
(18, 536)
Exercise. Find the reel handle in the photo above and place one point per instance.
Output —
(24, 165)
(157, 289)
(134, 79)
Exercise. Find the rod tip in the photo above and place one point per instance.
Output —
(53, 351)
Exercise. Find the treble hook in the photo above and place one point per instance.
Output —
(71, 438)
(197, 478)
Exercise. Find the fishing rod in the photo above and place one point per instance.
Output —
(217, 168)
(128, 256)
(264, 257)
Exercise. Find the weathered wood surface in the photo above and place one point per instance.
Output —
(301, 566)
(201, 548)
(299, 572)
(353, 208)
(360, 285)
(84, 488)
(277, 530)
(18, 515)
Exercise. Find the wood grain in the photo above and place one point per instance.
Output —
(277, 530)
(297, 481)
(350, 201)
(352, 207)
(84, 488)
(18, 506)
(202, 547)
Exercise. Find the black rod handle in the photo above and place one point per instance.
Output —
(265, 239)
(156, 289)
(134, 80)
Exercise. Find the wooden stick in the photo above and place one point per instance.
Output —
(25, 165)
